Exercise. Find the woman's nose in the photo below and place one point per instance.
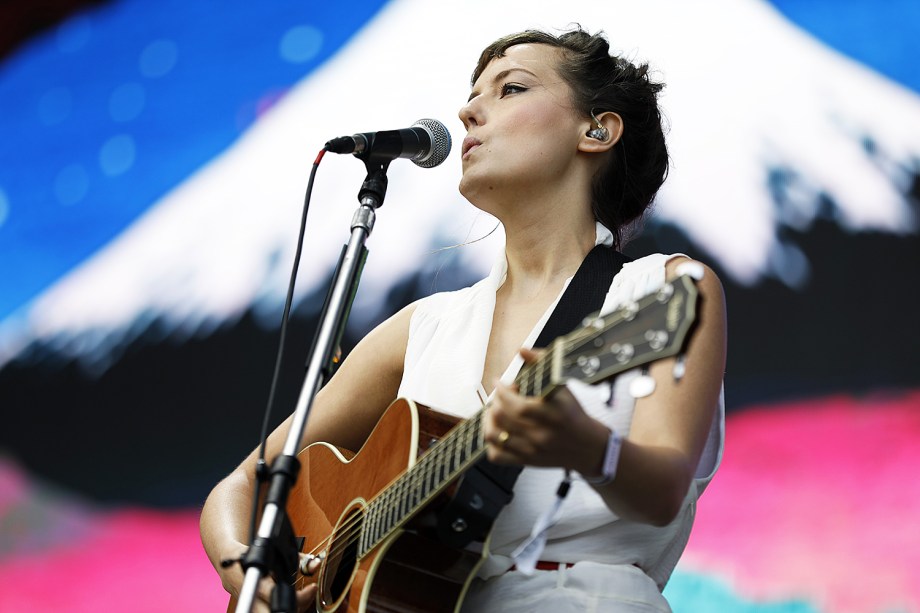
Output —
(470, 114)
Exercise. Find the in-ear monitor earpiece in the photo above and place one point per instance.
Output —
(600, 132)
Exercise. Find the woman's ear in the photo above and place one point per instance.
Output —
(604, 131)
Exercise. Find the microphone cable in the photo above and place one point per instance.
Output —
(261, 466)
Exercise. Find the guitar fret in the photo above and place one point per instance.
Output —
(439, 467)
(368, 532)
(404, 505)
(369, 536)
(432, 479)
(403, 499)
(445, 470)
(461, 446)
(413, 492)
(398, 509)
(362, 535)
(477, 425)
(435, 469)
(425, 478)
(538, 376)
(375, 527)
(390, 515)
(382, 513)
(455, 459)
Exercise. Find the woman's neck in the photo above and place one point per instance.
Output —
(543, 252)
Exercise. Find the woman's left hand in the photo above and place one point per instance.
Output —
(550, 431)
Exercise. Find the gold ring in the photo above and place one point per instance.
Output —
(503, 437)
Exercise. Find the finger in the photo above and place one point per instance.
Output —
(516, 412)
(264, 593)
(259, 606)
(309, 563)
(565, 407)
(496, 435)
(306, 597)
(532, 355)
(503, 438)
(505, 400)
(500, 453)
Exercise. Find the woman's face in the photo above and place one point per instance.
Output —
(522, 131)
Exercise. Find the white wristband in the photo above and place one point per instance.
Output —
(611, 459)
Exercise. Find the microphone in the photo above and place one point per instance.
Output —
(426, 143)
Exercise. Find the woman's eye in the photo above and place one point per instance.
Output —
(512, 88)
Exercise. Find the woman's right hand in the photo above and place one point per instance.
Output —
(231, 577)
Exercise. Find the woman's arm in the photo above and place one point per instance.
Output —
(668, 433)
(670, 427)
(343, 413)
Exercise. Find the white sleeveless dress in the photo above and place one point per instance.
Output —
(619, 565)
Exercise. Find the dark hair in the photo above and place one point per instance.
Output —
(624, 189)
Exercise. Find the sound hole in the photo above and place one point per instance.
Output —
(341, 558)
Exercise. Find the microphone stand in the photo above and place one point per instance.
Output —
(274, 549)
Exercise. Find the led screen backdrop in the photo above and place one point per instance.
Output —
(153, 162)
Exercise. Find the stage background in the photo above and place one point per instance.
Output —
(153, 159)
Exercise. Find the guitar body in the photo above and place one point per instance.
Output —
(408, 571)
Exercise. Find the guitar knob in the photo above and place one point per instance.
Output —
(589, 366)
(623, 352)
(657, 339)
(642, 386)
(665, 293)
(680, 367)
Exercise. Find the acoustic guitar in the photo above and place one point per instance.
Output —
(372, 516)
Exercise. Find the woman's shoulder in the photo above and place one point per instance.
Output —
(445, 301)
(650, 262)
(647, 274)
(641, 276)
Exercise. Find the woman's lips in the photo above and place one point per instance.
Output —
(470, 143)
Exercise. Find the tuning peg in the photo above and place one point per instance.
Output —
(643, 385)
(680, 367)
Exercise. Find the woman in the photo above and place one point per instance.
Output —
(565, 147)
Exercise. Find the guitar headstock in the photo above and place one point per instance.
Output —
(655, 327)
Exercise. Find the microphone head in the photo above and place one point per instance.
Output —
(440, 142)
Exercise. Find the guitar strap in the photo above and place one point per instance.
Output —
(486, 488)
